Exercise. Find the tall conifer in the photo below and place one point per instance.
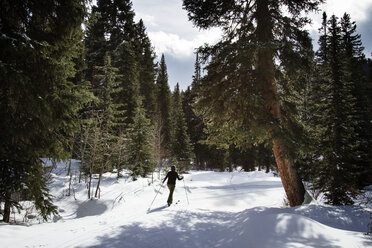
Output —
(147, 70)
(112, 29)
(39, 99)
(239, 93)
(181, 147)
(335, 114)
(95, 44)
(140, 147)
(203, 153)
(126, 61)
(164, 108)
(360, 87)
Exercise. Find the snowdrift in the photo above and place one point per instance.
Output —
(239, 209)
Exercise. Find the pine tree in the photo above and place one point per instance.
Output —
(365, 100)
(204, 154)
(334, 118)
(108, 117)
(102, 145)
(164, 109)
(113, 30)
(95, 44)
(316, 106)
(181, 147)
(118, 17)
(140, 147)
(147, 70)
(121, 32)
(340, 130)
(126, 61)
(109, 86)
(39, 99)
(240, 87)
(355, 63)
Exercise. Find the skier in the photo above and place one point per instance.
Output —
(172, 176)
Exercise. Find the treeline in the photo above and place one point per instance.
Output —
(337, 114)
(86, 85)
(131, 121)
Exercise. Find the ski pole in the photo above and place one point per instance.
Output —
(184, 185)
(155, 197)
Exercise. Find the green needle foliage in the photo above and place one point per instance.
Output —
(140, 147)
(164, 109)
(39, 98)
(337, 120)
(181, 144)
(261, 54)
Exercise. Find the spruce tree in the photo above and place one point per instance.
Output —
(121, 32)
(40, 99)
(314, 109)
(108, 117)
(119, 20)
(181, 147)
(147, 70)
(365, 99)
(126, 61)
(109, 87)
(95, 44)
(193, 124)
(203, 153)
(355, 64)
(140, 147)
(164, 109)
(112, 29)
(339, 155)
(335, 116)
(240, 94)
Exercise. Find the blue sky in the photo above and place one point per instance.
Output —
(172, 34)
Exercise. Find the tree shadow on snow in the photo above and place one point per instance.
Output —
(350, 218)
(231, 193)
(257, 227)
(90, 208)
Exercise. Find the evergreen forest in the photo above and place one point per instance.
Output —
(82, 80)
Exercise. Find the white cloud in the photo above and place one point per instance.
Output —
(356, 10)
(172, 34)
(179, 47)
(169, 30)
(146, 18)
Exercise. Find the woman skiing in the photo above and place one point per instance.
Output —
(172, 176)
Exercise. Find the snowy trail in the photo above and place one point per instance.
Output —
(220, 210)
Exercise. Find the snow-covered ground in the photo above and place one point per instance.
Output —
(214, 209)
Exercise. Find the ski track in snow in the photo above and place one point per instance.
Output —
(214, 209)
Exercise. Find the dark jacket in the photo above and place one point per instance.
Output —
(172, 176)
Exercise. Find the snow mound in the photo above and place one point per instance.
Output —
(211, 209)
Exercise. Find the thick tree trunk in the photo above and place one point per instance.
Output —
(292, 184)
